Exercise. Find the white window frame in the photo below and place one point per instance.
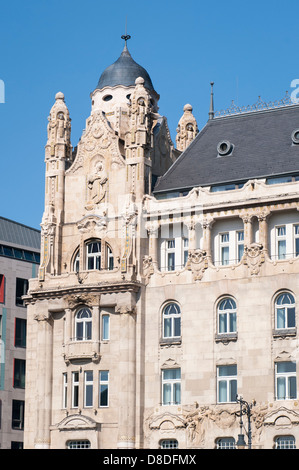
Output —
(230, 381)
(170, 253)
(94, 257)
(64, 390)
(86, 324)
(105, 327)
(226, 443)
(88, 386)
(78, 444)
(239, 244)
(223, 245)
(285, 442)
(75, 388)
(296, 237)
(285, 314)
(105, 383)
(285, 378)
(173, 318)
(281, 237)
(173, 384)
(228, 314)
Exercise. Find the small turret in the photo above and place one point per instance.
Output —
(187, 129)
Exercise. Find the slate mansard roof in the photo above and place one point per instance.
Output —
(261, 146)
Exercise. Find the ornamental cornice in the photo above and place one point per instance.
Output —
(83, 290)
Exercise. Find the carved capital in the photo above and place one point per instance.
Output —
(74, 300)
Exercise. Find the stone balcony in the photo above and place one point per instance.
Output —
(81, 350)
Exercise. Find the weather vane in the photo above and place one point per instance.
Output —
(126, 36)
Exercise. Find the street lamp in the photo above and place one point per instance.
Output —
(245, 408)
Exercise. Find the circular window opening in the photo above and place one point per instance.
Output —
(224, 147)
(295, 136)
(107, 98)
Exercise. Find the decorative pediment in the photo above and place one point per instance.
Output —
(75, 422)
(170, 363)
(282, 418)
(167, 422)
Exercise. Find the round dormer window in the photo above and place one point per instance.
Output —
(107, 98)
(295, 136)
(224, 147)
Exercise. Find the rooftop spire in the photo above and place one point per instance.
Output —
(211, 112)
(126, 37)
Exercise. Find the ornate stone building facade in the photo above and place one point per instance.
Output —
(169, 276)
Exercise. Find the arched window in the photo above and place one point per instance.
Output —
(93, 255)
(77, 262)
(227, 316)
(169, 444)
(285, 311)
(83, 323)
(82, 444)
(285, 442)
(226, 443)
(171, 321)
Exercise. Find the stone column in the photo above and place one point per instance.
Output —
(127, 378)
(44, 378)
(248, 229)
(153, 229)
(207, 238)
(263, 230)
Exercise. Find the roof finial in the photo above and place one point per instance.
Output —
(211, 112)
(126, 36)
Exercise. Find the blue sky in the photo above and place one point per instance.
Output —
(247, 48)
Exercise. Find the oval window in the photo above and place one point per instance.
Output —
(107, 98)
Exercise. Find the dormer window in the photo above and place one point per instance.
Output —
(224, 148)
(295, 136)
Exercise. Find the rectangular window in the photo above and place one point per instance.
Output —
(104, 388)
(286, 388)
(20, 332)
(88, 388)
(2, 284)
(224, 248)
(240, 245)
(171, 386)
(105, 327)
(185, 250)
(170, 255)
(21, 289)
(281, 242)
(17, 421)
(296, 240)
(227, 383)
(64, 390)
(19, 373)
(75, 389)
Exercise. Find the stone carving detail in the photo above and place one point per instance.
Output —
(254, 257)
(96, 185)
(148, 267)
(197, 263)
(89, 223)
(73, 300)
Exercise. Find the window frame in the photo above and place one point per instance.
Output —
(174, 384)
(175, 321)
(228, 320)
(86, 325)
(88, 389)
(286, 376)
(228, 379)
(284, 438)
(286, 315)
(103, 388)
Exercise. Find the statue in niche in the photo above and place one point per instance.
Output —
(97, 184)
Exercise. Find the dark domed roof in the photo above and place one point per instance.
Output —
(124, 72)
